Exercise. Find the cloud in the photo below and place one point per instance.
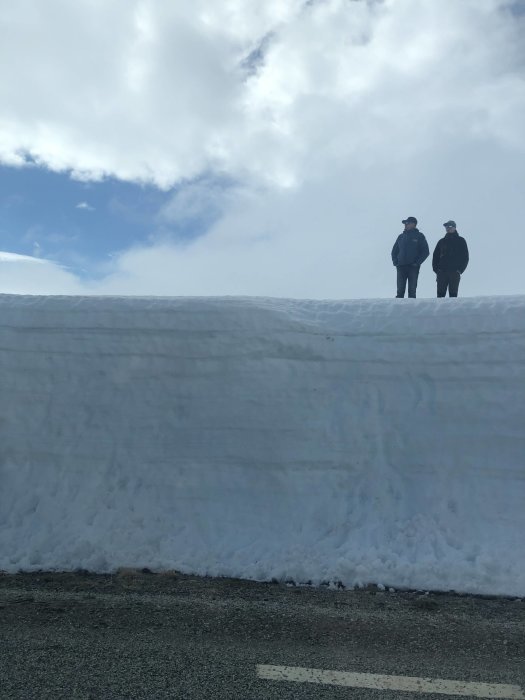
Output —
(168, 95)
(23, 274)
(157, 98)
(299, 133)
(332, 239)
(85, 206)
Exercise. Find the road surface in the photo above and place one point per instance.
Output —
(155, 636)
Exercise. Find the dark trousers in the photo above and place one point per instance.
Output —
(407, 273)
(447, 280)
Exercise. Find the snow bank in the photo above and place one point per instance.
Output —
(360, 441)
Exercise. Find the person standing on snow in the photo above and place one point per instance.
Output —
(450, 260)
(409, 252)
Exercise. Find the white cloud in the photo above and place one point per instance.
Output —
(347, 117)
(138, 89)
(23, 274)
(85, 206)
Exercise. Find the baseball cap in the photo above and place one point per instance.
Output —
(449, 224)
(410, 220)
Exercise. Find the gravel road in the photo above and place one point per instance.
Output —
(144, 635)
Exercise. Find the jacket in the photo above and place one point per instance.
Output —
(451, 254)
(410, 248)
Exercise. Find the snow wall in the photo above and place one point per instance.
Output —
(353, 441)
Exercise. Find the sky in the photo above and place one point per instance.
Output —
(232, 147)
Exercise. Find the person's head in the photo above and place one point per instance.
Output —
(410, 223)
(450, 226)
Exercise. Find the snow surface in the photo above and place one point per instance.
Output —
(354, 441)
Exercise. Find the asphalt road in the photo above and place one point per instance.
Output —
(142, 635)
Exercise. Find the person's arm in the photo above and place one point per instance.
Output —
(435, 258)
(423, 250)
(465, 257)
(395, 251)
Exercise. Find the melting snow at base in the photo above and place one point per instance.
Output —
(353, 441)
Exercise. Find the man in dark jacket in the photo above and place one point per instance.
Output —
(450, 260)
(409, 251)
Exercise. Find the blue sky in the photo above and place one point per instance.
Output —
(248, 148)
(79, 224)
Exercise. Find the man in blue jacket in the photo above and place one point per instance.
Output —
(409, 252)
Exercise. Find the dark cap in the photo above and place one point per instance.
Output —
(449, 224)
(410, 220)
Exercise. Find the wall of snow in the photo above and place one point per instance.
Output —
(359, 441)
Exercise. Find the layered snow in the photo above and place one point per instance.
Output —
(354, 441)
